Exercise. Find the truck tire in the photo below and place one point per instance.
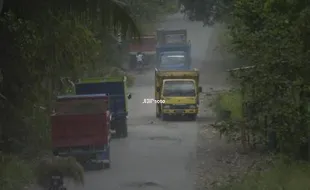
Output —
(118, 131)
(99, 166)
(164, 117)
(124, 129)
(157, 115)
(193, 117)
(107, 165)
(121, 128)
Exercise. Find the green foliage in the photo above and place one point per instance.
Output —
(170, 7)
(46, 55)
(292, 176)
(44, 49)
(274, 37)
(144, 10)
(208, 11)
(227, 105)
(147, 13)
(271, 36)
(229, 101)
(14, 172)
(114, 71)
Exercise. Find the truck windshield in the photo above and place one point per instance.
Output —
(173, 58)
(174, 38)
(179, 88)
(81, 106)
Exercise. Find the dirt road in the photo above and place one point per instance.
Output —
(157, 154)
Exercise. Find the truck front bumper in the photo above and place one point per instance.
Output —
(180, 111)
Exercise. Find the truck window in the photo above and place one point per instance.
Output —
(179, 88)
(175, 38)
(81, 106)
(172, 59)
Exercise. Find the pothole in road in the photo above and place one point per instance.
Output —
(163, 138)
(146, 185)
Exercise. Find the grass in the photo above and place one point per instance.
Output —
(148, 28)
(114, 71)
(229, 101)
(282, 176)
(15, 173)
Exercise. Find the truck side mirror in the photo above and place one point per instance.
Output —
(157, 89)
(129, 96)
(199, 89)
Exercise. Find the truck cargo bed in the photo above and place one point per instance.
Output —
(79, 130)
(146, 44)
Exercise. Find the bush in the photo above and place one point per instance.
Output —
(171, 8)
(115, 72)
(15, 173)
(230, 101)
(48, 165)
(292, 176)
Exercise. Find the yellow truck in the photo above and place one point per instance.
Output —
(179, 90)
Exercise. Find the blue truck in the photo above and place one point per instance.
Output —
(116, 89)
(173, 50)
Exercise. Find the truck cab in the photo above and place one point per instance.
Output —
(116, 89)
(173, 57)
(180, 91)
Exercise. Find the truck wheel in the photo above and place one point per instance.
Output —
(125, 131)
(99, 166)
(118, 131)
(107, 165)
(193, 117)
(157, 115)
(164, 117)
(124, 128)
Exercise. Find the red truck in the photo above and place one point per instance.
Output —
(146, 45)
(81, 128)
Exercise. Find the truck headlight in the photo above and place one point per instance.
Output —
(166, 106)
(192, 107)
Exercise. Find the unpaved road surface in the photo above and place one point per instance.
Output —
(157, 155)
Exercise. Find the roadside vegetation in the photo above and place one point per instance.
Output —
(290, 176)
(44, 48)
(273, 37)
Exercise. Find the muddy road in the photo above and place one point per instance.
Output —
(156, 155)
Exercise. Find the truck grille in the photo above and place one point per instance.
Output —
(179, 106)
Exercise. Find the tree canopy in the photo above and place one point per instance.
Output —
(273, 36)
(45, 46)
